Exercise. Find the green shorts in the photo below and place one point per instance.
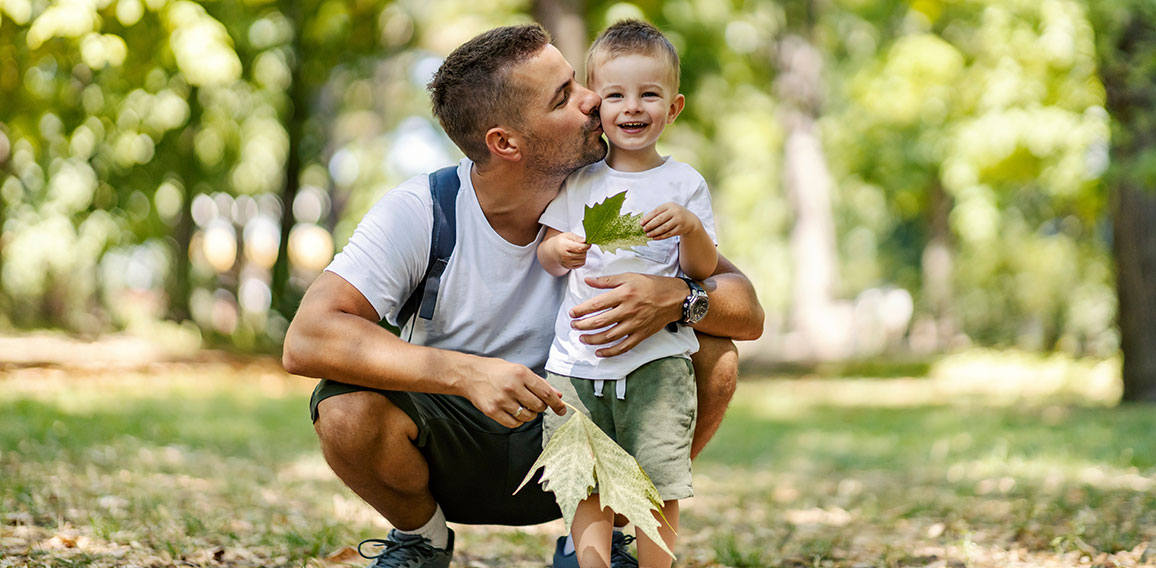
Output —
(475, 464)
(654, 422)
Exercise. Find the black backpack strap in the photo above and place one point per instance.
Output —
(443, 186)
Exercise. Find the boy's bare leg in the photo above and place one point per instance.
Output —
(368, 442)
(591, 530)
(716, 373)
(649, 553)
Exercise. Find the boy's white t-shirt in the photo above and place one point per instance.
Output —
(672, 181)
(495, 300)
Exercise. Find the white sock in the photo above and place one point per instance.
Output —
(434, 529)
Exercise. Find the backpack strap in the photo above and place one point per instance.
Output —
(443, 186)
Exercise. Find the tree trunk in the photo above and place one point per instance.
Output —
(1134, 246)
(817, 320)
(565, 22)
(180, 289)
(1124, 55)
(284, 298)
(938, 266)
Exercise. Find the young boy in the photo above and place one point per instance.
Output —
(650, 408)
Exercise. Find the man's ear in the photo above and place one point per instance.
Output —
(676, 107)
(504, 143)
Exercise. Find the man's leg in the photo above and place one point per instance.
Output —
(716, 372)
(368, 442)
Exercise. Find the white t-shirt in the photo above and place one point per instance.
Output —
(672, 181)
(495, 300)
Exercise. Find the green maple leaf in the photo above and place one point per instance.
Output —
(580, 457)
(607, 227)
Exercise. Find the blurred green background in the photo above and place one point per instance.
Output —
(900, 179)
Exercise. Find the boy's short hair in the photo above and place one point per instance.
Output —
(628, 37)
(472, 90)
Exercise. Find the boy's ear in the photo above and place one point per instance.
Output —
(504, 143)
(676, 107)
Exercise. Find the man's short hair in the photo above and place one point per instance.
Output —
(472, 91)
(630, 37)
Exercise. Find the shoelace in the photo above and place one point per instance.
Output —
(389, 546)
(619, 556)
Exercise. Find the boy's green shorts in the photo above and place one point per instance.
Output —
(654, 422)
(475, 464)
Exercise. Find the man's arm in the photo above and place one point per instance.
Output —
(335, 335)
(639, 305)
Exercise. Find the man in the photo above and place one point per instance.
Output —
(445, 426)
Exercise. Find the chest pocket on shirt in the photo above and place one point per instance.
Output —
(658, 251)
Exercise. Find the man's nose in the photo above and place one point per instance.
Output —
(589, 100)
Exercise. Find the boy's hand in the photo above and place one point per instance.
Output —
(670, 220)
(571, 250)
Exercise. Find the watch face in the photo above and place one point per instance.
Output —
(697, 309)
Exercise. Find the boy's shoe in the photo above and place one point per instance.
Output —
(619, 555)
(408, 551)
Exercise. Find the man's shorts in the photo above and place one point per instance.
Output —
(475, 464)
(654, 422)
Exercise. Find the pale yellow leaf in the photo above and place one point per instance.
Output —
(580, 457)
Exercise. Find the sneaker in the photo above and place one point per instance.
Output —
(619, 555)
(408, 551)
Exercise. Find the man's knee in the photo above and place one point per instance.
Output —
(716, 368)
(352, 423)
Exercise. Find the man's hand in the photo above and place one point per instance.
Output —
(499, 389)
(635, 307)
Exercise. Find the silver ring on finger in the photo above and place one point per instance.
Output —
(519, 411)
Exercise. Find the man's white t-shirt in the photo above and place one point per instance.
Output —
(672, 181)
(495, 300)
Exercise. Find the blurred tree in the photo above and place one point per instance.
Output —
(566, 21)
(1127, 55)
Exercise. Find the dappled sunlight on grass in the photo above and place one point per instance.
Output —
(215, 463)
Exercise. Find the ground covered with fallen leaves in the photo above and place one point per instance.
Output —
(983, 460)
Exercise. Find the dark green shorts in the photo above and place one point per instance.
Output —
(475, 464)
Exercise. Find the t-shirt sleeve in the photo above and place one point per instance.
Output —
(557, 213)
(388, 252)
(699, 204)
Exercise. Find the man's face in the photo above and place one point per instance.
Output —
(562, 129)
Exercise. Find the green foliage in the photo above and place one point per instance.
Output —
(580, 458)
(609, 228)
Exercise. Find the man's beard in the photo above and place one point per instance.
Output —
(556, 161)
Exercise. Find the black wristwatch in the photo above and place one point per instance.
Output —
(694, 307)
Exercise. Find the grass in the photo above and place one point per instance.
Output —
(216, 464)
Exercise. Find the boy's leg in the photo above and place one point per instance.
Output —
(716, 371)
(649, 553)
(591, 528)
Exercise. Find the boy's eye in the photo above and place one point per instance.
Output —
(650, 94)
(613, 96)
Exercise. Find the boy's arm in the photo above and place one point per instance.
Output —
(697, 255)
(560, 252)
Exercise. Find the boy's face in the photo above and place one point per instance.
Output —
(638, 99)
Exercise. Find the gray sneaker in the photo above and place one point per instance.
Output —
(619, 555)
(408, 551)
